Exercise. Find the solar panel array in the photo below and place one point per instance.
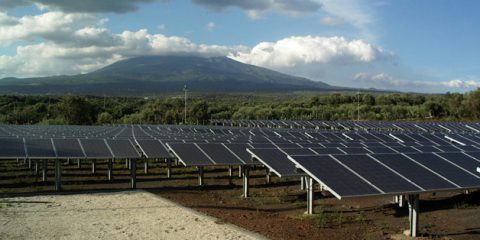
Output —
(446, 153)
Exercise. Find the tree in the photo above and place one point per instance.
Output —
(76, 111)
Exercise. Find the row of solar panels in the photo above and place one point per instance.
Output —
(51, 148)
(357, 125)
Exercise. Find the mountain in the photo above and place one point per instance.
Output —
(157, 74)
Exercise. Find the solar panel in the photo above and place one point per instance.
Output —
(220, 154)
(240, 149)
(275, 160)
(427, 149)
(463, 160)
(377, 174)
(153, 149)
(381, 150)
(446, 169)
(339, 180)
(355, 150)
(68, 148)
(297, 151)
(330, 150)
(414, 172)
(95, 148)
(190, 155)
(123, 148)
(12, 148)
(40, 148)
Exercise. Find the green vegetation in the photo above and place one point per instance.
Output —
(201, 108)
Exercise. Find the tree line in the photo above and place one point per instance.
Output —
(88, 110)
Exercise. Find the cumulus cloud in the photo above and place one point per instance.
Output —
(92, 6)
(331, 21)
(385, 80)
(255, 8)
(54, 26)
(50, 58)
(300, 50)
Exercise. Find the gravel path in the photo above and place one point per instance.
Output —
(119, 215)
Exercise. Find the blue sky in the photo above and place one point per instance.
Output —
(427, 46)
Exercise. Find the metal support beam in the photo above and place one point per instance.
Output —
(240, 174)
(246, 178)
(29, 163)
(310, 195)
(58, 173)
(110, 169)
(133, 173)
(230, 171)
(94, 165)
(127, 164)
(401, 201)
(169, 168)
(79, 164)
(44, 170)
(413, 214)
(200, 176)
(68, 161)
(36, 168)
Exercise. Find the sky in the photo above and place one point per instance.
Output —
(405, 45)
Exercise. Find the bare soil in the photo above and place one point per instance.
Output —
(274, 210)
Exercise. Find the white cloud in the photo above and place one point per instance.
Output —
(54, 26)
(301, 50)
(210, 26)
(387, 81)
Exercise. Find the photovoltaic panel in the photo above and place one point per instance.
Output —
(275, 160)
(463, 160)
(468, 148)
(381, 150)
(240, 149)
(12, 148)
(446, 148)
(263, 145)
(414, 172)
(220, 154)
(446, 169)
(405, 149)
(153, 149)
(332, 145)
(377, 174)
(330, 150)
(341, 181)
(297, 151)
(189, 154)
(123, 148)
(40, 148)
(355, 150)
(96, 148)
(427, 149)
(68, 148)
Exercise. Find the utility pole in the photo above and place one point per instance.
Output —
(185, 110)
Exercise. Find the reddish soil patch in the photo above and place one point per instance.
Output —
(274, 210)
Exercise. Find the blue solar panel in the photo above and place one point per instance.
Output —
(463, 160)
(68, 148)
(341, 181)
(190, 155)
(411, 170)
(446, 169)
(40, 148)
(275, 160)
(12, 148)
(220, 154)
(377, 174)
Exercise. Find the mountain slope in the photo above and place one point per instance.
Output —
(155, 74)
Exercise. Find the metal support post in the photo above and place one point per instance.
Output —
(310, 195)
(133, 173)
(200, 176)
(58, 172)
(110, 169)
(94, 165)
(240, 171)
(267, 175)
(79, 164)
(413, 214)
(246, 172)
(169, 168)
(230, 171)
(146, 166)
(303, 183)
(44, 170)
